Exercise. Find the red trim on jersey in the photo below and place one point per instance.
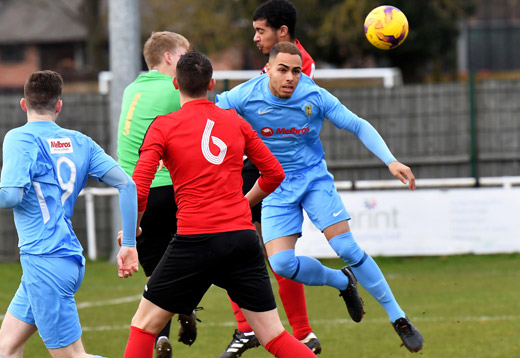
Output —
(308, 65)
(208, 191)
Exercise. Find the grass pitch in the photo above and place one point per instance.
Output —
(465, 306)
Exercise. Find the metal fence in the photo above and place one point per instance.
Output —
(450, 130)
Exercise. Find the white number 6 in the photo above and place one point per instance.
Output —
(213, 159)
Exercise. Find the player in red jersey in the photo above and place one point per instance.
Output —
(274, 21)
(202, 146)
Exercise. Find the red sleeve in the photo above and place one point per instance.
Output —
(271, 170)
(150, 153)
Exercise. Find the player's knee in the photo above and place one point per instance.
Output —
(284, 263)
(347, 248)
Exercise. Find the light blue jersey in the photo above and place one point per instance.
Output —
(291, 127)
(52, 165)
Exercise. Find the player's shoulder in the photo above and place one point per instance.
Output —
(308, 86)
(252, 85)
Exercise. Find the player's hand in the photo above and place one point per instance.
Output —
(138, 232)
(403, 173)
(127, 262)
(160, 166)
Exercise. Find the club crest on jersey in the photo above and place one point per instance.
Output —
(308, 110)
(60, 145)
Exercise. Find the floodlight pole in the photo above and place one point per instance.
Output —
(125, 64)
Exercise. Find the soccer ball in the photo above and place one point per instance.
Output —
(386, 27)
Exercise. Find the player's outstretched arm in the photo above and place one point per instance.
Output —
(403, 173)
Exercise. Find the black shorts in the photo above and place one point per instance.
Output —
(233, 261)
(159, 224)
(250, 174)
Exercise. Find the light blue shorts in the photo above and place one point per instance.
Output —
(312, 190)
(45, 298)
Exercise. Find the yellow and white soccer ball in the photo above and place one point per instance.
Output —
(386, 27)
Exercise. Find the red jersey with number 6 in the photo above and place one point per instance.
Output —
(202, 146)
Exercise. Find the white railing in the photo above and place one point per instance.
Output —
(390, 76)
(90, 215)
(505, 182)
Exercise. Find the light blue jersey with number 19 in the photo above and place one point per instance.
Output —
(52, 165)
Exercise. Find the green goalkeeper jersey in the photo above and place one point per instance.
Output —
(150, 95)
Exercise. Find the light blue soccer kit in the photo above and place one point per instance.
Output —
(44, 169)
(291, 128)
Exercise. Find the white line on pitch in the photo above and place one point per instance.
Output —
(332, 321)
(114, 301)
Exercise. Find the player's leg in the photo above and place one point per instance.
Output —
(304, 269)
(74, 349)
(176, 286)
(282, 219)
(159, 224)
(57, 279)
(372, 279)
(14, 333)
(146, 324)
(247, 282)
(291, 293)
(274, 337)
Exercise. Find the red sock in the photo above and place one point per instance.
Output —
(140, 343)
(242, 324)
(286, 346)
(292, 295)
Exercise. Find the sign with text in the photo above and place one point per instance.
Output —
(426, 222)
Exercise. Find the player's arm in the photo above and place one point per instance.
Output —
(10, 197)
(15, 179)
(271, 170)
(127, 261)
(150, 154)
(235, 97)
(343, 118)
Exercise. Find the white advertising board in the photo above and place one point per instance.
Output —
(426, 222)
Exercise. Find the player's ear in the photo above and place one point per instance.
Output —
(59, 106)
(283, 32)
(268, 70)
(167, 58)
(175, 83)
(211, 84)
(23, 104)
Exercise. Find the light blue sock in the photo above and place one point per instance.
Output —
(306, 270)
(367, 273)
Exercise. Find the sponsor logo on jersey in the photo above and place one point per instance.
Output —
(266, 131)
(293, 131)
(60, 145)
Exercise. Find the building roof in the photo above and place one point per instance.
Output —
(41, 21)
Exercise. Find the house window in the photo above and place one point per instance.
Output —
(12, 53)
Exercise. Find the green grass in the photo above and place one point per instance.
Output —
(465, 306)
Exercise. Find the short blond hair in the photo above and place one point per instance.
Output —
(159, 43)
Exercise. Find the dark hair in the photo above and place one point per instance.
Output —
(284, 47)
(277, 13)
(42, 91)
(194, 72)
